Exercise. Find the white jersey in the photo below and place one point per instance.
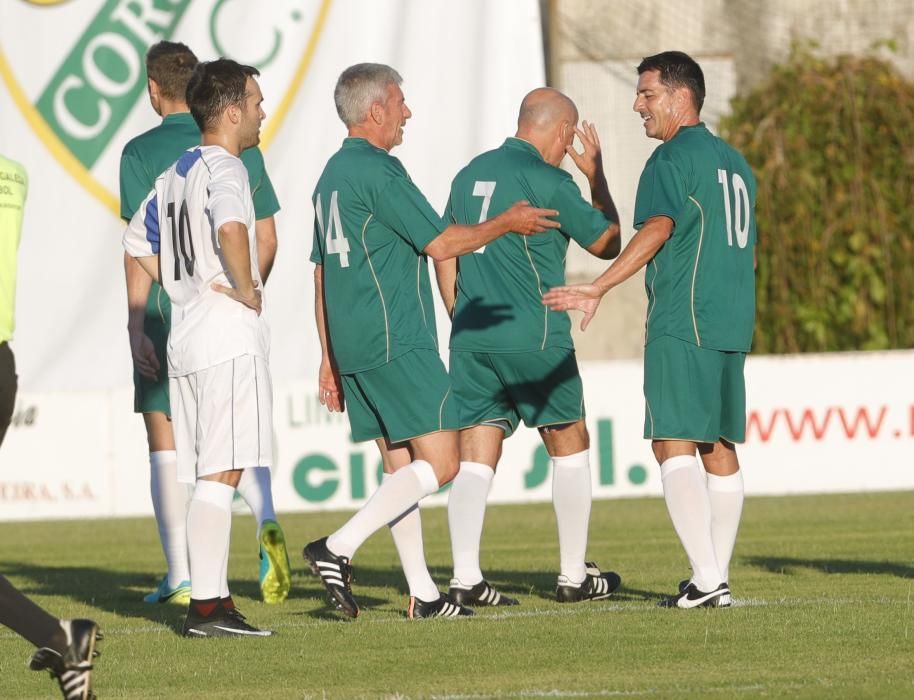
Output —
(179, 221)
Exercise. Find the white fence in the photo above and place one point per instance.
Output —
(817, 423)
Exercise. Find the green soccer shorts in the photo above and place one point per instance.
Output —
(693, 393)
(151, 396)
(542, 387)
(408, 397)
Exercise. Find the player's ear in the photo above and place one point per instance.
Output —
(683, 98)
(152, 87)
(376, 112)
(234, 113)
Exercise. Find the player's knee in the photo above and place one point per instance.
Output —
(446, 470)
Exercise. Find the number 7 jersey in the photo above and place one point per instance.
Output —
(701, 283)
(179, 221)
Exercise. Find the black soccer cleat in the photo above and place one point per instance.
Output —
(443, 607)
(481, 594)
(691, 597)
(222, 623)
(335, 573)
(725, 600)
(73, 668)
(597, 585)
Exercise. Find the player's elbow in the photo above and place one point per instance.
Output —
(609, 245)
(438, 250)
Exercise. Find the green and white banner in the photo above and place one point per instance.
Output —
(73, 92)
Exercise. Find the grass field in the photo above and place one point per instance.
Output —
(823, 589)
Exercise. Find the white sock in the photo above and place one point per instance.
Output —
(170, 499)
(407, 533)
(466, 511)
(404, 489)
(209, 523)
(256, 488)
(726, 497)
(686, 495)
(571, 498)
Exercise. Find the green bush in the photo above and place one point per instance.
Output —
(831, 142)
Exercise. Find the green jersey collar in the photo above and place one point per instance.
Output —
(521, 145)
(700, 126)
(359, 142)
(179, 118)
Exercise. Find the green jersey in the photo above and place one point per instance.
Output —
(14, 185)
(701, 283)
(371, 224)
(500, 286)
(150, 154)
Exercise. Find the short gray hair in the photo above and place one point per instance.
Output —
(359, 87)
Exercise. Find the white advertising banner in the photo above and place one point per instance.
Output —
(73, 92)
(816, 424)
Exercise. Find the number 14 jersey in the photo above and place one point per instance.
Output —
(701, 283)
(371, 224)
(179, 221)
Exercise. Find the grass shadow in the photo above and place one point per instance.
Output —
(782, 565)
(118, 592)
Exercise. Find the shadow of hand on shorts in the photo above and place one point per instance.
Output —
(516, 391)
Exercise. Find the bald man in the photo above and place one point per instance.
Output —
(511, 357)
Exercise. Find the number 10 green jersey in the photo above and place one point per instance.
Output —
(701, 283)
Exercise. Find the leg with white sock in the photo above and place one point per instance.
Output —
(397, 494)
(330, 557)
(571, 494)
(209, 523)
(406, 529)
(725, 495)
(466, 511)
(170, 501)
(480, 450)
(256, 488)
(480, 447)
(686, 496)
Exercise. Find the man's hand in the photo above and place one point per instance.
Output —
(526, 220)
(590, 160)
(583, 297)
(144, 355)
(254, 301)
(330, 388)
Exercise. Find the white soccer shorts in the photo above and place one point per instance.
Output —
(223, 418)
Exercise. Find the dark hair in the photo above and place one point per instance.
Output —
(170, 64)
(677, 69)
(214, 86)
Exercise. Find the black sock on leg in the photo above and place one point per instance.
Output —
(28, 620)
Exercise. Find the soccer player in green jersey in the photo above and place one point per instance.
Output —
(169, 66)
(512, 358)
(695, 215)
(375, 318)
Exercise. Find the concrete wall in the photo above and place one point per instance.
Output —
(593, 48)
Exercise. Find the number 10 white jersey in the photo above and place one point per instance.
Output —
(179, 221)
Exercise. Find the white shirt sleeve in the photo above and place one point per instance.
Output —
(141, 238)
(226, 192)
